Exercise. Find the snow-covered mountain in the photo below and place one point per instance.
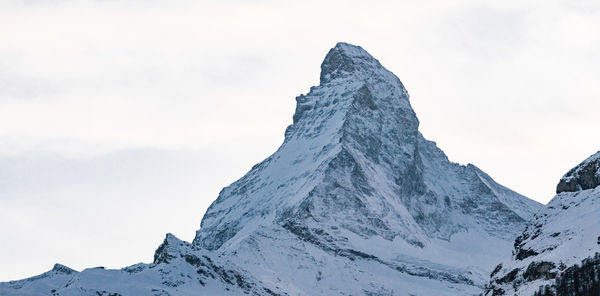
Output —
(558, 254)
(355, 202)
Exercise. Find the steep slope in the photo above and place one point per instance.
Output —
(366, 185)
(559, 251)
(355, 201)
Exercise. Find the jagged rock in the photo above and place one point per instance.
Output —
(62, 269)
(355, 201)
(170, 248)
(539, 270)
(584, 176)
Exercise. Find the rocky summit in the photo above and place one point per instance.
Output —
(355, 202)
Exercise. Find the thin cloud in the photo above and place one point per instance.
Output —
(509, 86)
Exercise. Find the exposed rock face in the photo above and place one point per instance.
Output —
(584, 176)
(62, 269)
(557, 253)
(355, 201)
(578, 280)
(358, 129)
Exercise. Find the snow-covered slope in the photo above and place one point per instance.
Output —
(355, 201)
(560, 244)
(177, 269)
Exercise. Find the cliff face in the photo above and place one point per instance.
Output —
(360, 144)
(557, 254)
(355, 201)
(364, 174)
(584, 176)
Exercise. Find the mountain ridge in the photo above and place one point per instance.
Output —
(355, 201)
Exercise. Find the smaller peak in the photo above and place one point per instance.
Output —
(62, 269)
(345, 59)
(585, 175)
(169, 249)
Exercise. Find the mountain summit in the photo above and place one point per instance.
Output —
(355, 201)
(345, 60)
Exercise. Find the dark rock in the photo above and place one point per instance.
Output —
(577, 280)
(496, 270)
(167, 250)
(582, 177)
(525, 253)
(538, 270)
(62, 269)
(509, 277)
(364, 98)
(339, 62)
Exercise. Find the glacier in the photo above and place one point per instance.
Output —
(354, 202)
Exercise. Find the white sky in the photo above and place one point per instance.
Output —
(121, 122)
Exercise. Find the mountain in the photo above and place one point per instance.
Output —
(355, 202)
(558, 254)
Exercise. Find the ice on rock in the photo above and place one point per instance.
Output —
(558, 253)
(355, 201)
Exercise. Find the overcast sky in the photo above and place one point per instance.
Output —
(121, 120)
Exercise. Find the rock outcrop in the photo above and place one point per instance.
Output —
(582, 177)
(557, 254)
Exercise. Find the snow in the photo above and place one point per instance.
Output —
(355, 201)
(564, 232)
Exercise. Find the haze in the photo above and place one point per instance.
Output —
(120, 122)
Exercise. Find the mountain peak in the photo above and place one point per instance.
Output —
(355, 87)
(355, 140)
(62, 269)
(354, 191)
(169, 249)
(346, 59)
(351, 50)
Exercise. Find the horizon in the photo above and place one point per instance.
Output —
(145, 117)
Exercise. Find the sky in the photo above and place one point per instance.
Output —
(121, 121)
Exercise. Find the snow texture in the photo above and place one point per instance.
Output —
(561, 235)
(355, 202)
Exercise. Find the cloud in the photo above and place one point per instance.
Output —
(87, 86)
(116, 206)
